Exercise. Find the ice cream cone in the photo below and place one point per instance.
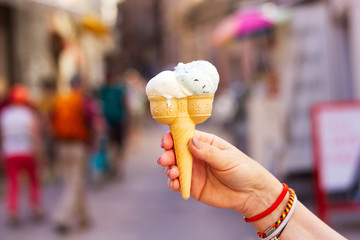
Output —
(199, 107)
(181, 114)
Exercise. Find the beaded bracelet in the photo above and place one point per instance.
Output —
(289, 208)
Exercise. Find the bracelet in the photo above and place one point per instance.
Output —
(276, 234)
(271, 208)
(282, 229)
(276, 229)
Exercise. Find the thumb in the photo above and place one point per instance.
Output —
(210, 154)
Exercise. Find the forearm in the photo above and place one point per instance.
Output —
(305, 225)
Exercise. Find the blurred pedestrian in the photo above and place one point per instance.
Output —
(98, 153)
(20, 145)
(113, 96)
(45, 105)
(137, 102)
(71, 128)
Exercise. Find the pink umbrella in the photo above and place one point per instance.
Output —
(241, 24)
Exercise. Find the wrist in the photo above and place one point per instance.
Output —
(272, 198)
(264, 223)
(261, 196)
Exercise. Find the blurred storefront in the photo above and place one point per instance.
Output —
(271, 79)
(310, 58)
(139, 40)
(35, 33)
(5, 46)
(156, 34)
(187, 30)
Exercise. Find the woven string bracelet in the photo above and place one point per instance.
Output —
(271, 208)
(277, 232)
(289, 207)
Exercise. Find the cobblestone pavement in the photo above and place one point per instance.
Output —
(142, 207)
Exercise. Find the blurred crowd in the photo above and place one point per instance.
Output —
(75, 138)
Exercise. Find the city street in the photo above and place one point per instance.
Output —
(287, 85)
(139, 207)
(142, 207)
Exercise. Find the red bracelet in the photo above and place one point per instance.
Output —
(270, 209)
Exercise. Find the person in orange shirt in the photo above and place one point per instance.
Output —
(71, 129)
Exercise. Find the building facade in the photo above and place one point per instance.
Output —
(34, 33)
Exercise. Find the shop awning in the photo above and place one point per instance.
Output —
(94, 24)
(249, 22)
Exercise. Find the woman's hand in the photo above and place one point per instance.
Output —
(222, 175)
(225, 177)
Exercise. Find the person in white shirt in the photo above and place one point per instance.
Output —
(19, 145)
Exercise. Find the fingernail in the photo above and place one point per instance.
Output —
(196, 143)
(158, 160)
(168, 171)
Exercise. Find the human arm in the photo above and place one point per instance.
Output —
(225, 177)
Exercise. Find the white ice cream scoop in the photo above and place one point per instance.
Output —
(165, 84)
(194, 78)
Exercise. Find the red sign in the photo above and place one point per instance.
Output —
(336, 131)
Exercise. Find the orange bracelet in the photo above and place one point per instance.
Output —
(271, 208)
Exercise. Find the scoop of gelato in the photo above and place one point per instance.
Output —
(194, 78)
(197, 77)
(165, 84)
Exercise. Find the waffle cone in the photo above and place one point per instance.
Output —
(181, 115)
(182, 130)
